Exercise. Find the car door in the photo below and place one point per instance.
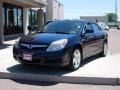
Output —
(99, 37)
(88, 40)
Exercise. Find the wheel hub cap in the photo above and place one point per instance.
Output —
(76, 59)
(105, 49)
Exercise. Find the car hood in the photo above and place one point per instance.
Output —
(44, 38)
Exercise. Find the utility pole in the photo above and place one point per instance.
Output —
(116, 9)
(58, 11)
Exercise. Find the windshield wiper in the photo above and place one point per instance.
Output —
(42, 32)
(55, 32)
(62, 33)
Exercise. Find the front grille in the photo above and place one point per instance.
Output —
(33, 47)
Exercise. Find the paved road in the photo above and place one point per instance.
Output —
(114, 41)
(32, 85)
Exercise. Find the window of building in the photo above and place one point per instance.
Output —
(32, 17)
(13, 19)
(20, 20)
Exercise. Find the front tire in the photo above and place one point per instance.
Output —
(75, 60)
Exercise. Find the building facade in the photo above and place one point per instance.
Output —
(96, 18)
(16, 15)
(54, 10)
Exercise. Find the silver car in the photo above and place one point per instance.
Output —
(103, 26)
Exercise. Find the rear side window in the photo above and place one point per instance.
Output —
(96, 28)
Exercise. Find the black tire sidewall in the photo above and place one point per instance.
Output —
(103, 53)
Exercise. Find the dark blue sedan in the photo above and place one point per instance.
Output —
(62, 43)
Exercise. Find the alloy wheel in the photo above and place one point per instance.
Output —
(105, 49)
(76, 58)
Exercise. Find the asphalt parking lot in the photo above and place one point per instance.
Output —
(114, 41)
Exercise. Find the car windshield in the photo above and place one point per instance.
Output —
(62, 27)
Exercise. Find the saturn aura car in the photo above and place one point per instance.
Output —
(62, 43)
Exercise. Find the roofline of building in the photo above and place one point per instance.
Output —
(59, 2)
(27, 3)
(94, 16)
(42, 1)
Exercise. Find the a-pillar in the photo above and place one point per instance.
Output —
(25, 20)
(1, 23)
(40, 16)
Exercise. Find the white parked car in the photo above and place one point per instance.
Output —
(103, 26)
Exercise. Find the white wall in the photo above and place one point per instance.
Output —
(61, 12)
(25, 20)
(49, 10)
(54, 10)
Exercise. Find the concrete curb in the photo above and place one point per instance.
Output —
(118, 80)
(60, 79)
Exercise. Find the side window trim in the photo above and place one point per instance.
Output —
(83, 31)
(99, 28)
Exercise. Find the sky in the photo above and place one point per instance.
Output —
(76, 8)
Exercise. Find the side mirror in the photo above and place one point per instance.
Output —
(88, 31)
(32, 28)
(48, 22)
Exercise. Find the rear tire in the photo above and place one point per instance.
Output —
(75, 60)
(105, 50)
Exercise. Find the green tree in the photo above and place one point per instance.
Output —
(112, 17)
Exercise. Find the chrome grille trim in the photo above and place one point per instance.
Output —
(31, 46)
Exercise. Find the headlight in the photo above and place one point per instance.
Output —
(17, 42)
(57, 45)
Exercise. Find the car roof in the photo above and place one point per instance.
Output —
(81, 20)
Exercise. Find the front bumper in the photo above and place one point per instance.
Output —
(58, 58)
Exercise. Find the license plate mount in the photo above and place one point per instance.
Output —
(27, 56)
